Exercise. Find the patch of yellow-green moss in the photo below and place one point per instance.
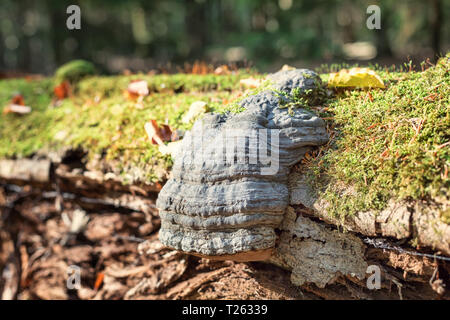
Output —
(100, 119)
(391, 143)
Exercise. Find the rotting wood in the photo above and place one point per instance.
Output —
(316, 254)
(400, 220)
(26, 170)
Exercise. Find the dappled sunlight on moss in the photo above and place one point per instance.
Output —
(389, 143)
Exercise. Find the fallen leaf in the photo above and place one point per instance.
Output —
(250, 82)
(62, 90)
(158, 134)
(356, 77)
(431, 97)
(200, 67)
(196, 108)
(117, 272)
(18, 99)
(24, 259)
(222, 70)
(17, 105)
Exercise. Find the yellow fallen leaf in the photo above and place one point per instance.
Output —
(356, 77)
(221, 70)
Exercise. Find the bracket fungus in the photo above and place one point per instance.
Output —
(228, 192)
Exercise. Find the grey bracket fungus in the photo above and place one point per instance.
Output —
(228, 192)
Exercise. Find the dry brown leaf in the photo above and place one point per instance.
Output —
(158, 134)
(17, 106)
(356, 77)
(17, 109)
(222, 70)
(18, 99)
(99, 280)
(117, 272)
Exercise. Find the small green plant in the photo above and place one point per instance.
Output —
(305, 99)
(74, 71)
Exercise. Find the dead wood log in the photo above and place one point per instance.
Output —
(26, 170)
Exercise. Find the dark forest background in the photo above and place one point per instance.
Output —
(143, 34)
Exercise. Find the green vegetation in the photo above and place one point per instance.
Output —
(74, 71)
(102, 120)
(391, 143)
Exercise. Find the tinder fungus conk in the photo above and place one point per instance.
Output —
(229, 189)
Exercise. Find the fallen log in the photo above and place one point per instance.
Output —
(400, 220)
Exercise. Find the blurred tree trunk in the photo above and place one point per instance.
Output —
(196, 26)
(382, 40)
(24, 54)
(57, 22)
(436, 27)
(2, 49)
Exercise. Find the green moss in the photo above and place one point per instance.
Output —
(22, 135)
(101, 120)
